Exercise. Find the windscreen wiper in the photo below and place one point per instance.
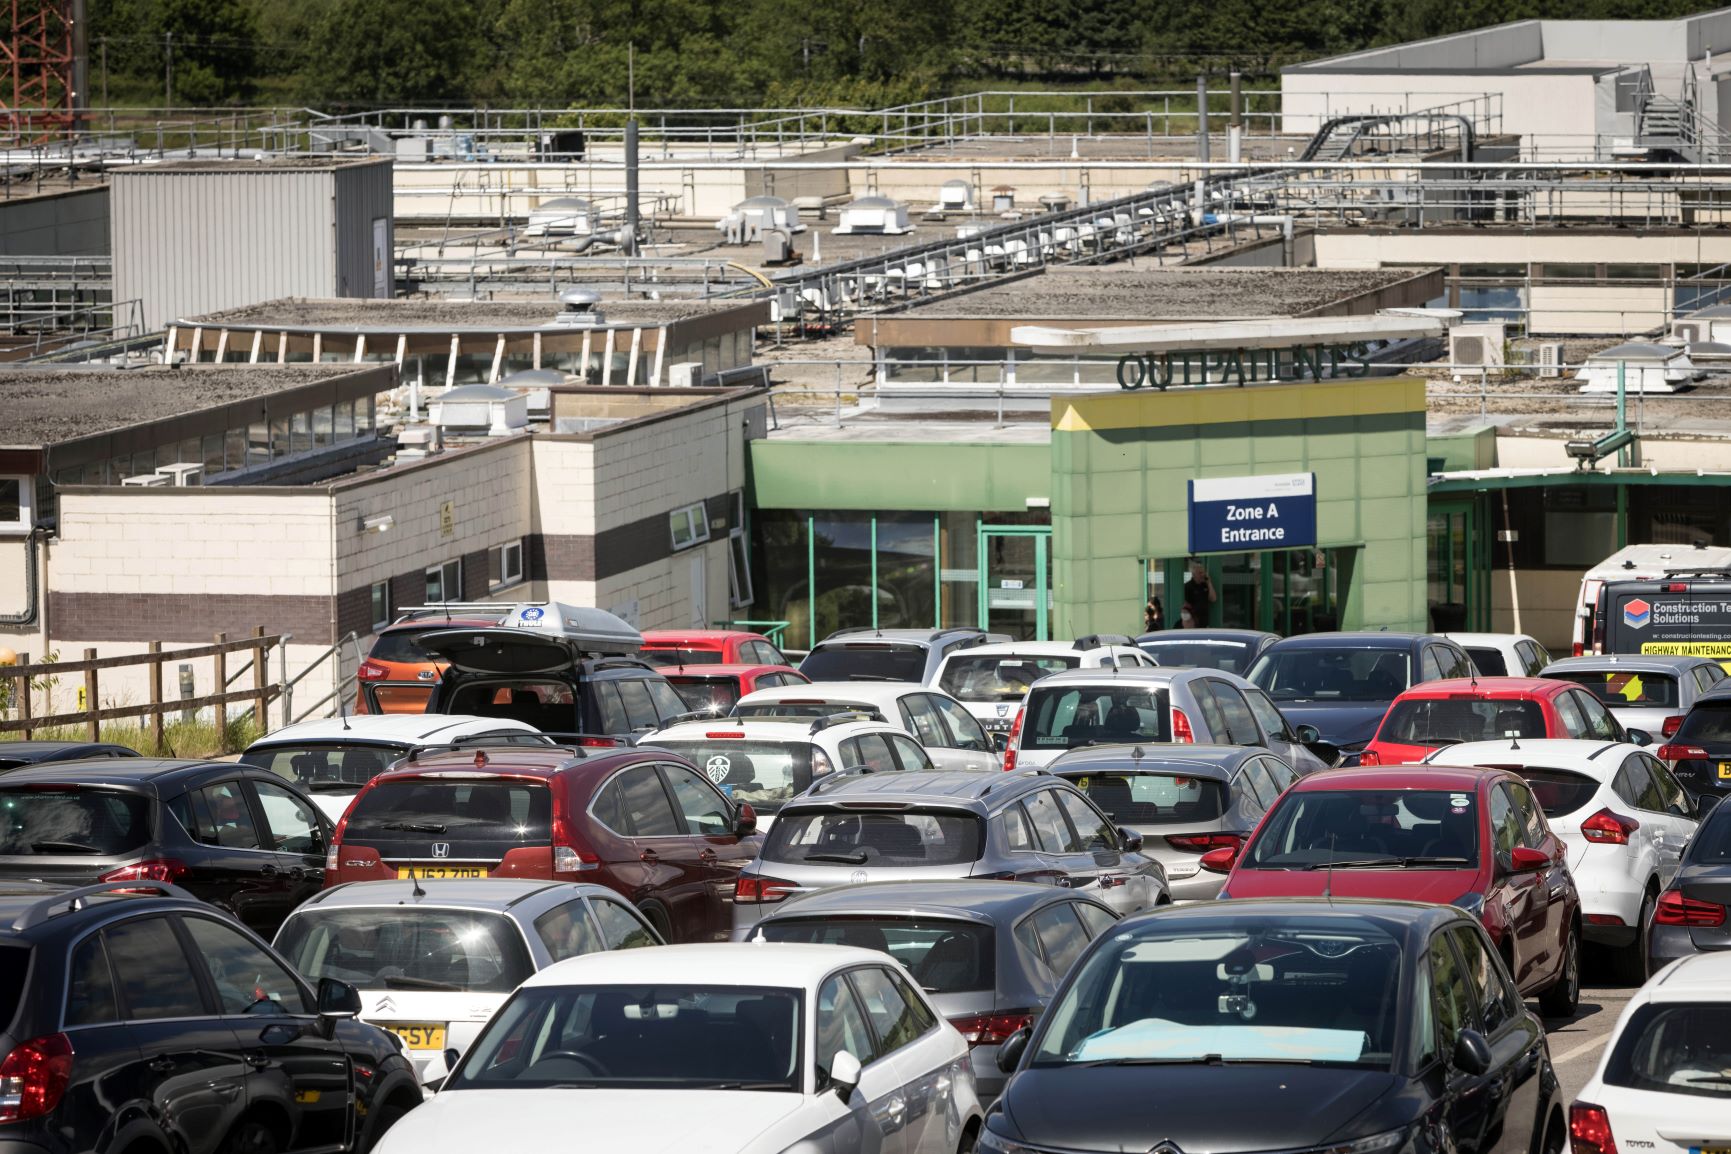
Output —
(404, 982)
(1425, 861)
(62, 847)
(1355, 863)
(414, 826)
(857, 857)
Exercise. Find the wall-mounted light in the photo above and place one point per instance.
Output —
(1038, 502)
(378, 524)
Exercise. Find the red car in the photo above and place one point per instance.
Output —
(709, 647)
(1474, 838)
(1435, 714)
(717, 688)
(646, 823)
(398, 675)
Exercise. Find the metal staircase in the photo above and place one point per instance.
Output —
(1666, 124)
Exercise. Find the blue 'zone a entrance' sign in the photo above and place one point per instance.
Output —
(1242, 514)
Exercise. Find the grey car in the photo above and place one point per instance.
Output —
(990, 954)
(1234, 650)
(889, 654)
(1183, 799)
(1085, 707)
(1693, 915)
(853, 828)
(1649, 692)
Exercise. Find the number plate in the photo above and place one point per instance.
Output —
(1710, 1150)
(1725, 770)
(418, 1035)
(425, 872)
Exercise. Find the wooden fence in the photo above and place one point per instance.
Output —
(261, 692)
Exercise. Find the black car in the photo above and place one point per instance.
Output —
(1374, 1027)
(1693, 914)
(1342, 683)
(19, 753)
(1699, 753)
(1234, 650)
(235, 835)
(137, 1018)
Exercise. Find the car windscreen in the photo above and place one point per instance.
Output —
(1708, 723)
(1450, 720)
(1675, 1048)
(407, 949)
(402, 645)
(1304, 990)
(877, 661)
(1489, 662)
(1143, 798)
(679, 656)
(945, 956)
(910, 837)
(1189, 653)
(1068, 716)
(1621, 687)
(326, 767)
(1559, 792)
(547, 704)
(673, 1037)
(714, 695)
(1333, 673)
(764, 773)
(474, 819)
(999, 676)
(1313, 829)
(40, 820)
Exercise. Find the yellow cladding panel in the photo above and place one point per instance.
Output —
(1152, 408)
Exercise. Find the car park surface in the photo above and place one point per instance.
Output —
(947, 731)
(1435, 714)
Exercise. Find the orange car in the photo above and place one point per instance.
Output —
(708, 647)
(398, 676)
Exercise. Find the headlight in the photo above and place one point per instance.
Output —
(1473, 903)
(991, 1143)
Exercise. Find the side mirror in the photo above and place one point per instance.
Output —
(1220, 861)
(843, 1074)
(745, 821)
(1472, 1054)
(1010, 1050)
(1638, 736)
(1129, 839)
(438, 1068)
(338, 999)
(1000, 740)
(1525, 859)
(1308, 734)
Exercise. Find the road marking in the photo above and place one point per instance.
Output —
(1577, 1051)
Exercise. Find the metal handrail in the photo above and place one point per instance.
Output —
(289, 717)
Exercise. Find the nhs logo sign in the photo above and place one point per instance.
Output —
(1243, 514)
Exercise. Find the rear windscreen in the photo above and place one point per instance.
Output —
(1333, 673)
(880, 661)
(94, 822)
(998, 677)
(876, 838)
(410, 949)
(548, 705)
(1622, 687)
(1154, 798)
(326, 767)
(1489, 662)
(681, 656)
(1709, 723)
(1310, 829)
(944, 956)
(1711, 844)
(474, 819)
(401, 645)
(706, 694)
(1559, 792)
(1068, 716)
(1449, 720)
(1694, 621)
(1676, 1048)
(1232, 656)
(764, 773)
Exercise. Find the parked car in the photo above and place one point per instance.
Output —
(1650, 692)
(1623, 819)
(434, 960)
(1284, 1025)
(1435, 714)
(331, 759)
(1342, 683)
(14, 754)
(398, 675)
(142, 1019)
(939, 722)
(238, 837)
(1232, 650)
(923, 826)
(989, 954)
(1474, 838)
(765, 761)
(716, 689)
(1662, 1082)
(1693, 914)
(644, 823)
(991, 680)
(548, 666)
(759, 1048)
(1503, 654)
(1151, 707)
(1184, 800)
(889, 654)
(709, 647)
(1699, 753)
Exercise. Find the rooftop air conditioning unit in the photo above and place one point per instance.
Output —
(685, 374)
(1551, 359)
(182, 474)
(148, 481)
(1690, 332)
(1476, 346)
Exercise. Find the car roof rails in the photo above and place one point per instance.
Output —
(1716, 571)
(1103, 640)
(845, 717)
(74, 900)
(836, 777)
(454, 608)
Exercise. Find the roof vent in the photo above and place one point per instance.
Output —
(581, 308)
(485, 409)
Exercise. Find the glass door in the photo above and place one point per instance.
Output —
(1015, 583)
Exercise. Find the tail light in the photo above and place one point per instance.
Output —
(1671, 725)
(1670, 752)
(331, 857)
(1607, 828)
(1181, 731)
(1012, 746)
(34, 1076)
(590, 741)
(1676, 910)
(567, 859)
(370, 672)
(990, 1029)
(750, 890)
(151, 869)
(1370, 757)
(1590, 1130)
(1202, 842)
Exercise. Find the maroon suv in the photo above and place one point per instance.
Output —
(643, 821)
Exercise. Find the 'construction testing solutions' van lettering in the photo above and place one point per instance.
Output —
(1683, 615)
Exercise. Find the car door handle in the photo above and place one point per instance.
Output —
(897, 1107)
(268, 871)
(649, 857)
(258, 1060)
(707, 857)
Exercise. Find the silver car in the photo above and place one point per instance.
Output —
(1183, 799)
(920, 826)
(1649, 692)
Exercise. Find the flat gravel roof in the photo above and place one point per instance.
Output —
(381, 315)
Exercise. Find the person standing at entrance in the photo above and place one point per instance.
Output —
(1198, 593)
(1153, 615)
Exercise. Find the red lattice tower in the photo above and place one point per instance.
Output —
(39, 55)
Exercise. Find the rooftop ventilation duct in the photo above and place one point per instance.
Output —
(876, 215)
(580, 308)
(561, 216)
(752, 216)
(488, 409)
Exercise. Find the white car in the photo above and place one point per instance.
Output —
(1664, 1081)
(991, 680)
(930, 716)
(434, 959)
(707, 1048)
(1503, 654)
(766, 761)
(1622, 815)
(332, 758)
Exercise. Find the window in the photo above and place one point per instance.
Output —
(15, 493)
(899, 1017)
(150, 970)
(964, 730)
(1505, 823)
(1634, 784)
(1255, 775)
(908, 751)
(739, 591)
(1058, 934)
(666, 699)
(217, 815)
(707, 813)
(247, 980)
(380, 595)
(1240, 723)
(919, 716)
(445, 582)
(567, 931)
(1053, 832)
(841, 1026)
(643, 805)
(690, 525)
(1451, 1002)
(620, 928)
(1574, 725)
(869, 750)
(639, 706)
(1018, 834)
(1095, 832)
(1497, 1003)
(505, 565)
(1531, 823)
(294, 828)
(1676, 799)
(1270, 718)
(90, 990)
(1095, 919)
(1600, 723)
